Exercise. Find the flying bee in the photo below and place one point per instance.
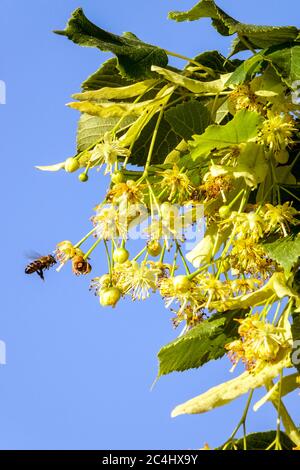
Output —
(39, 265)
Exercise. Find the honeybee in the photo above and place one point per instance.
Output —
(39, 265)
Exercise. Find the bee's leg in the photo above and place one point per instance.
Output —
(41, 274)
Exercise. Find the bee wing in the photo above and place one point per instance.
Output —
(32, 255)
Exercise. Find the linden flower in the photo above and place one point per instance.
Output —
(242, 97)
(177, 183)
(248, 225)
(280, 216)
(129, 191)
(249, 257)
(160, 269)
(245, 286)
(277, 131)
(260, 342)
(190, 315)
(190, 302)
(213, 288)
(65, 251)
(98, 283)
(107, 152)
(110, 223)
(169, 226)
(213, 185)
(137, 280)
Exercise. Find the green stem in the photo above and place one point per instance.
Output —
(236, 198)
(114, 130)
(140, 253)
(278, 445)
(174, 263)
(198, 271)
(213, 110)
(290, 193)
(192, 61)
(275, 184)
(289, 425)
(109, 263)
(183, 258)
(294, 161)
(87, 254)
(153, 140)
(276, 312)
(84, 238)
(242, 422)
(154, 198)
(246, 43)
(162, 255)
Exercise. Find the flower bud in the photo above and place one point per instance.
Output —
(224, 212)
(181, 284)
(117, 177)
(83, 177)
(154, 248)
(109, 296)
(120, 255)
(71, 164)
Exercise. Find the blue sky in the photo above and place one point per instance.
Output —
(78, 376)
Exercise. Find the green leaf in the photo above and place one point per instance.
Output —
(262, 440)
(295, 355)
(286, 62)
(242, 128)
(262, 37)
(223, 23)
(135, 57)
(245, 70)
(107, 75)
(258, 37)
(92, 128)
(166, 141)
(188, 118)
(285, 250)
(202, 344)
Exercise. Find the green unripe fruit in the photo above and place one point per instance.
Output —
(181, 284)
(120, 255)
(282, 156)
(109, 296)
(224, 212)
(117, 177)
(83, 177)
(154, 248)
(71, 164)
